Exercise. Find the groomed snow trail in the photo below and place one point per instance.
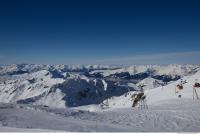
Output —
(171, 116)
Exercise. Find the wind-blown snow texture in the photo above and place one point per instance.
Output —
(72, 98)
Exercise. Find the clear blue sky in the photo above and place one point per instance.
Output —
(99, 31)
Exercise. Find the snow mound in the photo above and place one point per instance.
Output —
(150, 83)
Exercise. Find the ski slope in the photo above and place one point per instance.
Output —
(167, 92)
(171, 116)
(160, 94)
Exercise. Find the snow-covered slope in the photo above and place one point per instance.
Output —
(43, 87)
(160, 94)
(34, 85)
(150, 83)
(13, 117)
(173, 116)
(167, 92)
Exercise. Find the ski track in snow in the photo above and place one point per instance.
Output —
(179, 117)
(155, 119)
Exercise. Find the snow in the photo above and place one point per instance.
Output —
(12, 129)
(170, 116)
(181, 70)
(20, 88)
(84, 78)
(48, 112)
(33, 119)
(158, 95)
(95, 82)
(168, 92)
(54, 100)
(150, 83)
(105, 85)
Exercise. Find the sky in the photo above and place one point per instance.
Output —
(100, 31)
